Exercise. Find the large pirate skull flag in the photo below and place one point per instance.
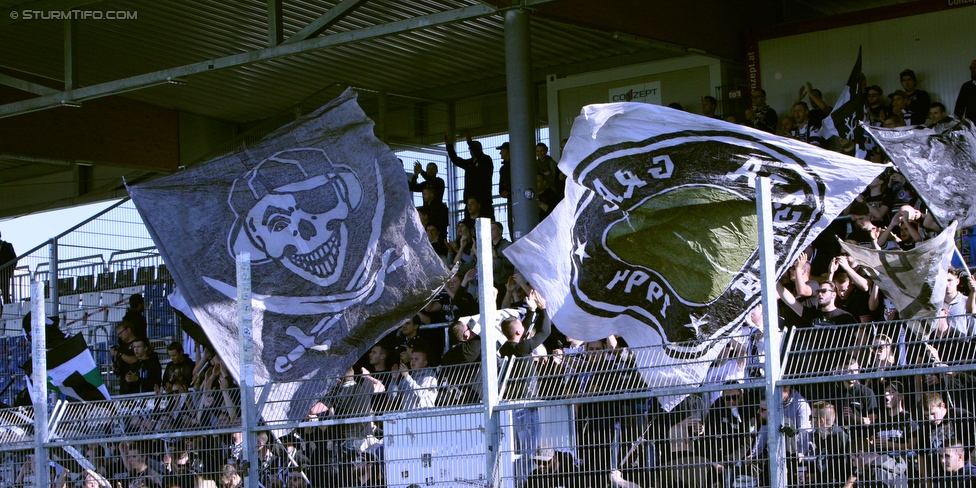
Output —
(657, 238)
(338, 254)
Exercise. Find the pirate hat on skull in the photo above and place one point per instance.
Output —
(294, 216)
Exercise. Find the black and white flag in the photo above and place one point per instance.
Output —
(845, 119)
(657, 239)
(914, 280)
(71, 370)
(338, 254)
(940, 163)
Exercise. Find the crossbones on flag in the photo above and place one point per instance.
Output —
(657, 239)
(338, 254)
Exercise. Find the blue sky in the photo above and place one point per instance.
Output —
(29, 231)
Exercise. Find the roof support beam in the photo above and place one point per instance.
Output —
(27, 86)
(70, 36)
(319, 25)
(172, 75)
(275, 23)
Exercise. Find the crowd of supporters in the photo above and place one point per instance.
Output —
(894, 428)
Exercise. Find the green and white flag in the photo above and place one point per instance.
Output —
(72, 371)
(657, 239)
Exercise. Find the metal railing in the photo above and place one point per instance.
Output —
(589, 415)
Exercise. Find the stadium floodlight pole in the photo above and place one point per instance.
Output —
(245, 338)
(489, 356)
(42, 475)
(775, 444)
(521, 121)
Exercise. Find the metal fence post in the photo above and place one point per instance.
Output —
(52, 278)
(489, 358)
(774, 405)
(246, 341)
(39, 378)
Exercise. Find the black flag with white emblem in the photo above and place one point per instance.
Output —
(845, 119)
(338, 254)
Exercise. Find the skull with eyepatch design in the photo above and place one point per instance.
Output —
(299, 220)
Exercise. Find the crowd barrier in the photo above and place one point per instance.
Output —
(883, 403)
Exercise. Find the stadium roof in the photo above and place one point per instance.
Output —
(141, 63)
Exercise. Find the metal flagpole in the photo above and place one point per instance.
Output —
(775, 444)
(246, 340)
(489, 357)
(52, 278)
(39, 377)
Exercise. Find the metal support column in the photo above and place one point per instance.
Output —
(489, 358)
(246, 340)
(521, 121)
(275, 23)
(52, 279)
(70, 38)
(774, 394)
(42, 475)
(450, 189)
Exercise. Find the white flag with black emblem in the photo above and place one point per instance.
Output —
(657, 239)
(339, 257)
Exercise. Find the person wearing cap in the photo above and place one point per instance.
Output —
(966, 101)
(478, 170)
(918, 100)
(877, 108)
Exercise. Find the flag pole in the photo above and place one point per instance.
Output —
(246, 341)
(42, 476)
(489, 357)
(775, 444)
